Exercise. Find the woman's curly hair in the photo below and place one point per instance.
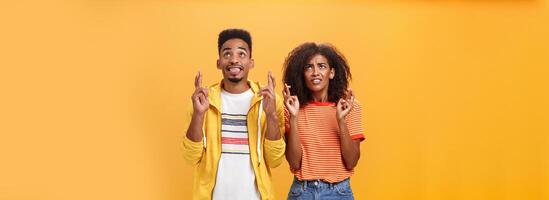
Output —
(294, 69)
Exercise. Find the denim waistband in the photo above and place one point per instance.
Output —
(319, 183)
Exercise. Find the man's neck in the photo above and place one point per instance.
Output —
(235, 88)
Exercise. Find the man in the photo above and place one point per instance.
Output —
(235, 127)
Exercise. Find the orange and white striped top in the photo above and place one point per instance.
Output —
(318, 131)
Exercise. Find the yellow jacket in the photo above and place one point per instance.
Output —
(205, 155)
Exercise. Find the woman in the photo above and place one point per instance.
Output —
(323, 123)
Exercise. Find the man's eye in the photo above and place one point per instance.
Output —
(226, 54)
(242, 54)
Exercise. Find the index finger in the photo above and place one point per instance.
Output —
(351, 95)
(198, 80)
(286, 89)
(271, 80)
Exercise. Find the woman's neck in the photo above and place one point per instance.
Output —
(320, 96)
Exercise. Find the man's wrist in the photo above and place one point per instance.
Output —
(199, 114)
(271, 115)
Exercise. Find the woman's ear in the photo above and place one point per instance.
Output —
(332, 73)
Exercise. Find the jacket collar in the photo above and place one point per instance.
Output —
(215, 94)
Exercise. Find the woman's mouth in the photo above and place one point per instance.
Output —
(316, 81)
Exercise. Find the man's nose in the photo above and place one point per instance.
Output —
(234, 60)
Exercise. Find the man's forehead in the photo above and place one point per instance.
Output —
(235, 43)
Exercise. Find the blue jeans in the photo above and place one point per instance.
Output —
(318, 189)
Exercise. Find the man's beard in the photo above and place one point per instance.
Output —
(235, 80)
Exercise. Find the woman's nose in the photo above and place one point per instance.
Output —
(315, 71)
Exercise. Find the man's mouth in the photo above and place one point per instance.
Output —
(234, 70)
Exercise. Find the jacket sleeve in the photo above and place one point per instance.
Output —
(192, 151)
(274, 149)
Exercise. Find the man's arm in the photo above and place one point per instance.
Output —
(192, 142)
(274, 144)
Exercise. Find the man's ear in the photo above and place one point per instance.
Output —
(251, 63)
(332, 73)
(218, 64)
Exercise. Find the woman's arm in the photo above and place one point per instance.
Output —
(293, 143)
(350, 149)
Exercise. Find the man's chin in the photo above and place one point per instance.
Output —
(235, 80)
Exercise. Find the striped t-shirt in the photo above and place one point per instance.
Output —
(318, 131)
(235, 175)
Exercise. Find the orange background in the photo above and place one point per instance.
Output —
(455, 93)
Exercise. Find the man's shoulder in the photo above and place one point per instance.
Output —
(255, 85)
(215, 87)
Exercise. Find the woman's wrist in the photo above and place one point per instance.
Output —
(341, 121)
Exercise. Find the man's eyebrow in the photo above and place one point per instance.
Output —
(241, 48)
(246, 50)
